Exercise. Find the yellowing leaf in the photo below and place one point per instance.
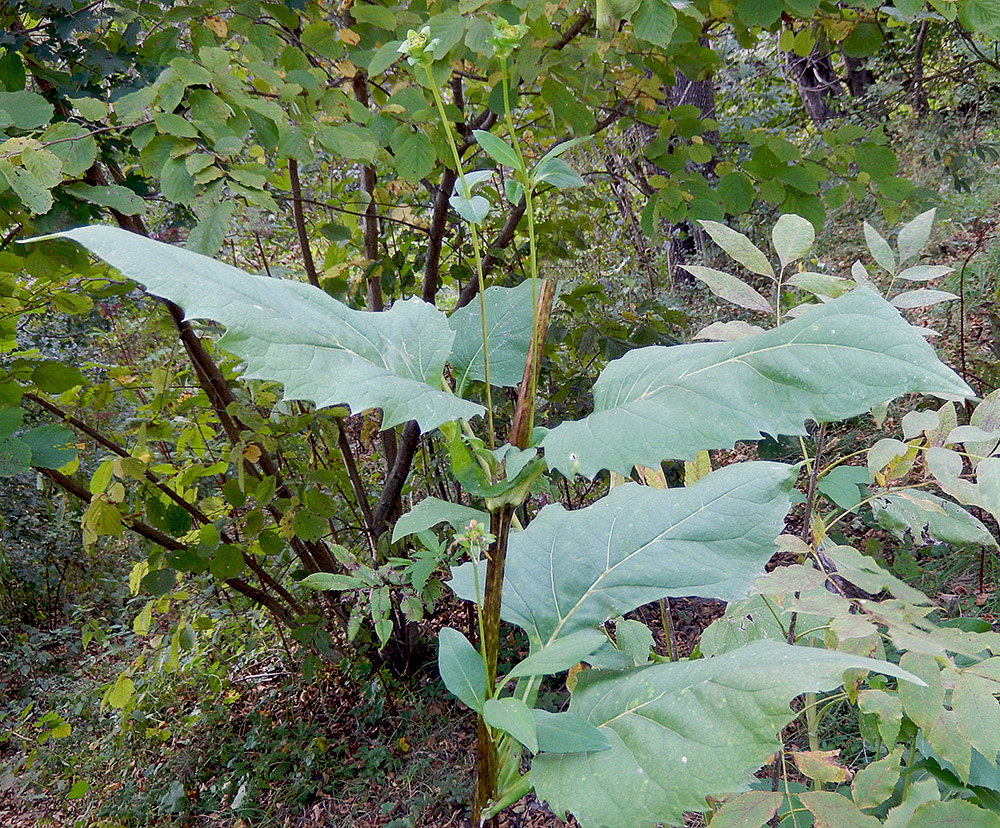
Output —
(822, 765)
(216, 25)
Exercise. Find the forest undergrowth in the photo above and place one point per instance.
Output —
(241, 736)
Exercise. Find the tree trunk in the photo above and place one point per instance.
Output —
(816, 81)
(686, 238)
(859, 77)
(918, 95)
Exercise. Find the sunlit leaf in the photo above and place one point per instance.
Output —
(834, 361)
(296, 334)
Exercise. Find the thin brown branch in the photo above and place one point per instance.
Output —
(439, 223)
(574, 29)
(356, 483)
(281, 612)
(389, 504)
(300, 222)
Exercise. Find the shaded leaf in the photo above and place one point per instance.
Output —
(793, 237)
(728, 287)
(921, 298)
(914, 511)
(748, 810)
(875, 783)
(474, 209)
(831, 810)
(914, 234)
(432, 511)
(821, 765)
(498, 149)
(879, 248)
(461, 668)
(821, 284)
(728, 331)
(739, 247)
(560, 654)
(514, 717)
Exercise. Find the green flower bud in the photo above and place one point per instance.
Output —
(506, 37)
(419, 47)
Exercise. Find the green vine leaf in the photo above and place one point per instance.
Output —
(713, 723)
(570, 571)
(834, 361)
(295, 334)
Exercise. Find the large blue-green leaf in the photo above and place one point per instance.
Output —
(681, 731)
(834, 361)
(570, 571)
(51, 446)
(296, 334)
(508, 324)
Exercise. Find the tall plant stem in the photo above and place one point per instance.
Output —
(486, 748)
(532, 246)
(667, 618)
(521, 427)
(476, 249)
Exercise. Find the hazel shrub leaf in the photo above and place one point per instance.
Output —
(834, 361)
(295, 334)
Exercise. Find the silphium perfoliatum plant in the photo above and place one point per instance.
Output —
(641, 742)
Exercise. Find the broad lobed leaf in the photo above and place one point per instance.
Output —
(834, 361)
(295, 334)
(508, 332)
(570, 571)
(681, 731)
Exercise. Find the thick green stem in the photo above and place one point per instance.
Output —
(486, 748)
(667, 618)
(476, 249)
(532, 246)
